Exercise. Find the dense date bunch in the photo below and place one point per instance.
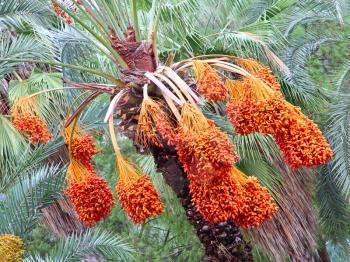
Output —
(244, 116)
(257, 205)
(139, 199)
(154, 125)
(11, 248)
(92, 199)
(83, 149)
(32, 127)
(217, 199)
(303, 144)
(299, 139)
(265, 115)
(210, 149)
(209, 82)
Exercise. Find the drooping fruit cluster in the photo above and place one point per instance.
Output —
(258, 204)
(232, 197)
(83, 149)
(154, 125)
(82, 146)
(32, 127)
(136, 193)
(92, 199)
(217, 199)
(203, 148)
(11, 248)
(219, 191)
(207, 151)
(264, 116)
(264, 73)
(260, 71)
(262, 108)
(303, 144)
(139, 199)
(209, 83)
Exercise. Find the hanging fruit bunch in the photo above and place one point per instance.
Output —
(262, 108)
(91, 197)
(26, 118)
(136, 193)
(11, 248)
(82, 146)
(209, 84)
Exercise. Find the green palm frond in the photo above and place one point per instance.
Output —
(92, 242)
(343, 78)
(21, 46)
(334, 212)
(341, 7)
(30, 192)
(29, 159)
(11, 142)
(301, 14)
(299, 88)
(338, 135)
(17, 13)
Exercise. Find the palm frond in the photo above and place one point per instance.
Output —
(338, 136)
(28, 160)
(29, 193)
(343, 78)
(334, 210)
(21, 46)
(17, 13)
(11, 142)
(92, 242)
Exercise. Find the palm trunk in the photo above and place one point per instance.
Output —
(291, 231)
(223, 241)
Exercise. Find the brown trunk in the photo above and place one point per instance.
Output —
(139, 56)
(291, 231)
(223, 241)
(61, 219)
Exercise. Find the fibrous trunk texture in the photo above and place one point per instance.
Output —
(223, 241)
(61, 219)
(292, 230)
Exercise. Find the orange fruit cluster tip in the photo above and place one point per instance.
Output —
(139, 199)
(92, 199)
(34, 128)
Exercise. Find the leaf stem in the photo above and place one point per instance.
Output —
(135, 20)
(117, 81)
(99, 38)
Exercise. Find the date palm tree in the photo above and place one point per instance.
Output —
(109, 47)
